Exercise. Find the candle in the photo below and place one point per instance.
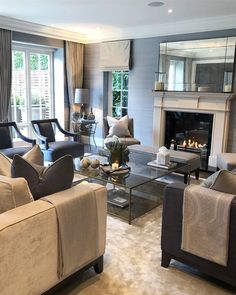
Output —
(115, 166)
(227, 88)
(159, 85)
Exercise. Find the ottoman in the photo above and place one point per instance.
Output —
(144, 154)
(226, 161)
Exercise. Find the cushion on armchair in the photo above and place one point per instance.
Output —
(118, 127)
(42, 180)
(34, 156)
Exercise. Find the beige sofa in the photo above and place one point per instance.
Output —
(29, 244)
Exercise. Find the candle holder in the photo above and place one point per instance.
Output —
(160, 78)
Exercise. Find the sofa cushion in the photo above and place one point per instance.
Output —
(225, 182)
(14, 193)
(34, 155)
(44, 181)
(209, 181)
(118, 127)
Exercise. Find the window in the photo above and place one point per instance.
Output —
(119, 93)
(176, 75)
(32, 86)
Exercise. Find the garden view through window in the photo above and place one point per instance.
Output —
(120, 81)
(32, 86)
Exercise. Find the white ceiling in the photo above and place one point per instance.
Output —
(97, 20)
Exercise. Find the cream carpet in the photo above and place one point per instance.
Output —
(132, 265)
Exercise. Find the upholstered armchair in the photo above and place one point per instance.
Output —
(129, 139)
(6, 143)
(51, 148)
(172, 236)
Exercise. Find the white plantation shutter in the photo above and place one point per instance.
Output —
(32, 85)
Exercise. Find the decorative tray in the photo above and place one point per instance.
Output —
(105, 168)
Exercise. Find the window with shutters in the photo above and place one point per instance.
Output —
(32, 86)
(119, 103)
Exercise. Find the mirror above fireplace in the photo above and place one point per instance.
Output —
(199, 65)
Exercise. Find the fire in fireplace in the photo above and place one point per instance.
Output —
(191, 132)
(192, 145)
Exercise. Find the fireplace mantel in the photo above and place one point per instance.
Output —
(217, 104)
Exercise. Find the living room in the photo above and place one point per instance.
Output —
(132, 259)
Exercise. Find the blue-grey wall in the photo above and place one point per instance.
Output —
(145, 53)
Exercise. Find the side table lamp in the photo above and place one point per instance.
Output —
(81, 98)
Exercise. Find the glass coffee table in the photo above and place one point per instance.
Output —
(132, 194)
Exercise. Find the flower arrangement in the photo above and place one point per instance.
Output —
(118, 151)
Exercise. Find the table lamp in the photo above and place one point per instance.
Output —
(81, 98)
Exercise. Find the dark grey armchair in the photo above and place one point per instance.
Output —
(51, 148)
(172, 235)
(127, 140)
(6, 143)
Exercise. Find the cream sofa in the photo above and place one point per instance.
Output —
(29, 244)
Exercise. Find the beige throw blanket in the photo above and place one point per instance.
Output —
(77, 227)
(205, 229)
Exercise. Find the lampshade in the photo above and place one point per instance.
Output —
(81, 96)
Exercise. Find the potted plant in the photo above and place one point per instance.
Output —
(119, 152)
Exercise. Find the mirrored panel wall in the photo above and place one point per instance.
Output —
(199, 65)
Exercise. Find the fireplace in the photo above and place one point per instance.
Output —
(190, 132)
(217, 105)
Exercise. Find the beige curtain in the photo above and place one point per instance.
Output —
(74, 59)
(5, 73)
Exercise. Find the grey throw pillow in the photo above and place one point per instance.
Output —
(210, 180)
(44, 181)
(225, 182)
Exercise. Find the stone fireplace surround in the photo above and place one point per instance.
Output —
(218, 104)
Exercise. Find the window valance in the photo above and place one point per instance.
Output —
(115, 56)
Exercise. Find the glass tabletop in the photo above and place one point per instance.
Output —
(139, 173)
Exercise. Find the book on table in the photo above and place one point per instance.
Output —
(118, 201)
(155, 164)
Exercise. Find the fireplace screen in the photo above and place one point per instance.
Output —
(190, 132)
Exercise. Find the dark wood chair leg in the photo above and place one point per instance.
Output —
(98, 267)
(165, 259)
(186, 178)
(197, 174)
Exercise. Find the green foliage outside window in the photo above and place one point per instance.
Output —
(38, 62)
(120, 82)
(18, 60)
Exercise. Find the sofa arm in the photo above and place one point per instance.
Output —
(172, 216)
(172, 236)
(29, 244)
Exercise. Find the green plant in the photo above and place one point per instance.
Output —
(115, 145)
(116, 148)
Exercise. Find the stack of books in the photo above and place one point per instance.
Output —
(155, 164)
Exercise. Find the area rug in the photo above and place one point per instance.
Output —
(132, 265)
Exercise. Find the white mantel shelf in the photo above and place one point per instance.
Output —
(217, 104)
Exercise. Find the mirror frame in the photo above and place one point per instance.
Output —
(206, 65)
